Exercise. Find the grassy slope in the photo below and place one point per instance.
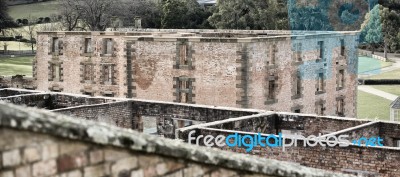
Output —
(393, 89)
(388, 75)
(14, 66)
(370, 106)
(42, 9)
(368, 64)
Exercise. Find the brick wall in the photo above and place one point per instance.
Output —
(117, 114)
(45, 155)
(367, 161)
(38, 143)
(17, 81)
(230, 71)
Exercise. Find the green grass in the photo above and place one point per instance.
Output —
(370, 106)
(387, 75)
(42, 9)
(366, 64)
(393, 89)
(12, 45)
(17, 65)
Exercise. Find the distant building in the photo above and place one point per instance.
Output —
(271, 70)
(395, 110)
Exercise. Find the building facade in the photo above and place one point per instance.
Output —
(272, 70)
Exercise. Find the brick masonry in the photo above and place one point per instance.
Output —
(63, 146)
(228, 70)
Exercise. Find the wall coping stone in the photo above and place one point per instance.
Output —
(41, 121)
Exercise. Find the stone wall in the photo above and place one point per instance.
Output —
(38, 143)
(369, 162)
(220, 69)
(14, 92)
(119, 114)
(17, 81)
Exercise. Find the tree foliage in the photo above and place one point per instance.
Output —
(148, 11)
(5, 20)
(186, 14)
(95, 14)
(250, 14)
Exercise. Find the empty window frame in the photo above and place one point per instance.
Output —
(271, 90)
(184, 90)
(341, 79)
(55, 46)
(273, 52)
(297, 87)
(298, 47)
(340, 107)
(396, 142)
(108, 46)
(320, 108)
(320, 84)
(342, 48)
(108, 74)
(55, 72)
(321, 49)
(88, 45)
(88, 72)
(183, 54)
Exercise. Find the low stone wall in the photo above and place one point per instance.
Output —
(40, 143)
(379, 58)
(118, 114)
(17, 81)
(372, 161)
(14, 92)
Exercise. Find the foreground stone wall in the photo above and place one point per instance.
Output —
(38, 143)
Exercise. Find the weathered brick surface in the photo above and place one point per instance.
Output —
(226, 71)
(126, 152)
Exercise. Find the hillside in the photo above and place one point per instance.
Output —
(40, 9)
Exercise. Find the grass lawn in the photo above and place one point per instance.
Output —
(387, 75)
(41, 9)
(366, 64)
(17, 65)
(393, 89)
(12, 45)
(370, 106)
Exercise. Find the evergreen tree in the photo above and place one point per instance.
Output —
(5, 20)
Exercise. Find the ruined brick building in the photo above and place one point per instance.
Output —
(61, 141)
(311, 72)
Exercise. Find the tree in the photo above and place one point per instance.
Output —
(96, 14)
(174, 14)
(250, 14)
(5, 20)
(183, 14)
(70, 14)
(372, 28)
(390, 24)
(148, 11)
(30, 31)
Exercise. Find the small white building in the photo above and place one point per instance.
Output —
(395, 110)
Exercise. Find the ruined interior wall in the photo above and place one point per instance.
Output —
(33, 154)
(390, 132)
(376, 161)
(118, 114)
